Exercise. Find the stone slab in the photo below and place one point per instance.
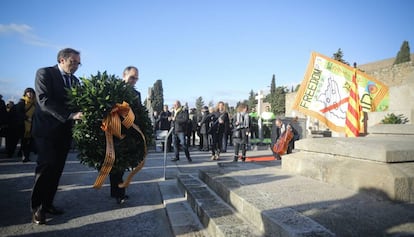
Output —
(387, 149)
(396, 180)
(392, 129)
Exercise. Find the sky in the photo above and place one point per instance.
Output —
(220, 50)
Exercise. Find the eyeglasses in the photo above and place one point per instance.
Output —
(75, 62)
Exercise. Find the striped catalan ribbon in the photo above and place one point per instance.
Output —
(111, 125)
(353, 114)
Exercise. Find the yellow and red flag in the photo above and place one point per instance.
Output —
(325, 92)
(353, 114)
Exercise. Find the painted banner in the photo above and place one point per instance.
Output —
(325, 89)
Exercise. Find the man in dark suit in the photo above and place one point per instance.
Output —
(179, 121)
(52, 130)
(165, 124)
(131, 77)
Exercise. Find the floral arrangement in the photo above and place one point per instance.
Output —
(108, 103)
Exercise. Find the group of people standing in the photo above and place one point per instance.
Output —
(217, 128)
(16, 125)
(214, 127)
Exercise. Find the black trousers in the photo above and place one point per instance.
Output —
(12, 139)
(26, 146)
(238, 147)
(115, 178)
(205, 141)
(51, 158)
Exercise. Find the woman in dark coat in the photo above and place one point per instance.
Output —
(26, 108)
(203, 124)
(15, 127)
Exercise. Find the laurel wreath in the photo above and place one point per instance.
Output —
(95, 97)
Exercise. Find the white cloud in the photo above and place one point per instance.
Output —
(11, 28)
(25, 32)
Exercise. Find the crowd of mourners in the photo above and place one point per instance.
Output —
(16, 125)
(215, 128)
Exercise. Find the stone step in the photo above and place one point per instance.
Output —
(219, 218)
(255, 207)
(396, 180)
(183, 221)
(280, 203)
(384, 163)
(386, 149)
(392, 129)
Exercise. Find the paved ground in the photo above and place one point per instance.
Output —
(91, 212)
(88, 211)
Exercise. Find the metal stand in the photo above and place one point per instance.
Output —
(165, 151)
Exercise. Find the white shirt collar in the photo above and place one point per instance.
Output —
(62, 72)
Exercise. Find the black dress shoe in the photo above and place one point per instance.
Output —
(189, 159)
(53, 210)
(39, 217)
(175, 159)
(122, 200)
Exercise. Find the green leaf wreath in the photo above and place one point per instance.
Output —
(95, 97)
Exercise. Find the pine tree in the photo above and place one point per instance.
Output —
(252, 102)
(271, 97)
(279, 108)
(276, 98)
(404, 54)
(157, 96)
(199, 104)
(339, 56)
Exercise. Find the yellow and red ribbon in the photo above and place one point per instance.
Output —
(111, 125)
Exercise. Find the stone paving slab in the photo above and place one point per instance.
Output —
(183, 221)
(88, 212)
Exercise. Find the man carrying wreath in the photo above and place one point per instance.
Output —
(130, 76)
(52, 130)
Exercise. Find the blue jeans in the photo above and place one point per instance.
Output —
(179, 139)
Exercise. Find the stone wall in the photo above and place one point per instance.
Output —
(389, 74)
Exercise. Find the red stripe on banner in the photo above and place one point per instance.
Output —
(334, 106)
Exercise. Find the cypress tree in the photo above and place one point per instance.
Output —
(404, 54)
(157, 96)
(252, 102)
(199, 104)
